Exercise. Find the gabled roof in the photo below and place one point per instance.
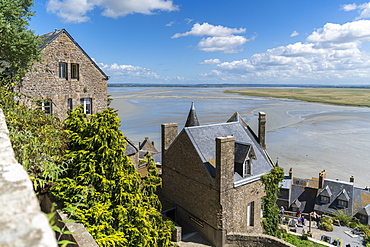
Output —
(146, 145)
(130, 147)
(203, 140)
(192, 119)
(343, 195)
(326, 192)
(243, 151)
(50, 37)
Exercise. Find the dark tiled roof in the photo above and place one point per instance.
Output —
(49, 37)
(343, 195)
(203, 139)
(192, 119)
(326, 192)
(147, 146)
(130, 148)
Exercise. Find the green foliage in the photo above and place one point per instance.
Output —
(326, 226)
(121, 209)
(269, 206)
(299, 242)
(38, 140)
(343, 216)
(19, 47)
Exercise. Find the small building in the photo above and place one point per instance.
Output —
(212, 175)
(65, 78)
(146, 147)
(132, 152)
(327, 196)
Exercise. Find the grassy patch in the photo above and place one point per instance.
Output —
(297, 241)
(336, 96)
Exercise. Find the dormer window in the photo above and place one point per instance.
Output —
(343, 199)
(244, 155)
(325, 195)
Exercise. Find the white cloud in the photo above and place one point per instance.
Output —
(228, 44)
(295, 33)
(76, 11)
(211, 61)
(331, 53)
(364, 9)
(170, 24)
(206, 29)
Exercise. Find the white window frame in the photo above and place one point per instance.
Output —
(63, 70)
(325, 199)
(70, 104)
(250, 214)
(247, 167)
(46, 106)
(87, 105)
(342, 203)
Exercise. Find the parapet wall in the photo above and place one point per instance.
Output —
(22, 224)
(255, 240)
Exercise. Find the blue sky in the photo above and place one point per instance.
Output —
(214, 41)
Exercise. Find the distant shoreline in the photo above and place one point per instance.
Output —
(224, 85)
(349, 96)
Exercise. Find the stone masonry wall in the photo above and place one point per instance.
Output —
(22, 224)
(43, 82)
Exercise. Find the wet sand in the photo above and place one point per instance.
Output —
(309, 137)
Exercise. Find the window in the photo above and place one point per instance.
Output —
(45, 105)
(325, 199)
(75, 71)
(247, 168)
(63, 70)
(87, 104)
(70, 104)
(250, 214)
(342, 204)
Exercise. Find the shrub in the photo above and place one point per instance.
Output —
(327, 220)
(352, 224)
(326, 226)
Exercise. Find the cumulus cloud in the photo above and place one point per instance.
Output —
(211, 61)
(329, 53)
(364, 9)
(295, 33)
(207, 29)
(75, 11)
(221, 38)
(228, 44)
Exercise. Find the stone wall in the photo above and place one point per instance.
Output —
(255, 240)
(43, 82)
(21, 220)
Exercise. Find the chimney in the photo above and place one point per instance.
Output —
(262, 129)
(291, 173)
(322, 176)
(169, 133)
(225, 148)
(146, 138)
(351, 179)
(153, 143)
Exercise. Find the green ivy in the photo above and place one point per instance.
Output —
(270, 209)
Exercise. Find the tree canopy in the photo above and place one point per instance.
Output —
(120, 208)
(19, 47)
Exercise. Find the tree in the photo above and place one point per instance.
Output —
(120, 208)
(19, 47)
(269, 206)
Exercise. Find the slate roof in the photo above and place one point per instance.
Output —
(203, 139)
(192, 119)
(49, 37)
(147, 146)
(130, 147)
(326, 192)
(343, 195)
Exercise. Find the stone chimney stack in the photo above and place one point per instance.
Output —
(153, 143)
(169, 133)
(291, 173)
(352, 179)
(262, 129)
(225, 148)
(322, 176)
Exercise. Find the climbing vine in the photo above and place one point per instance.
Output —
(269, 206)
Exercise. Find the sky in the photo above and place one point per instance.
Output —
(218, 41)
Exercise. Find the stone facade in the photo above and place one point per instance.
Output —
(21, 220)
(205, 191)
(45, 82)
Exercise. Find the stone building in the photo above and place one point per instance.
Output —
(325, 196)
(212, 175)
(65, 78)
